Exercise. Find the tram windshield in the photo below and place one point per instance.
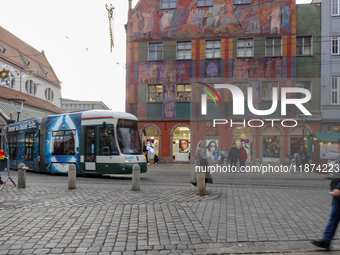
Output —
(128, 138)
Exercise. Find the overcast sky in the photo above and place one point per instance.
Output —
(75, 37)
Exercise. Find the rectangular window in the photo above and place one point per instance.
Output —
(155, 51)
(244, 87)
(204, 2)
(183, 92)
(29, 146)
(335, 45)
(273, 46)
(267, 90)
(12, 146)
(155, 93)
(335, 91)
(245, 47)
(303, 84)
(63, 142)
(213, 49)
(183, 50)
(167, 4)
(242, 2)
(335, 7)
(304, 46)
(107, 141)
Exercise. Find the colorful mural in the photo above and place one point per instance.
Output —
(169, 101)
(164, 72)
(222, 18)
(257, 68)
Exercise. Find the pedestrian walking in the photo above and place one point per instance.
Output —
(234, 155)
(201, 160)
(243, 157)
(224, 154)
(334, 217)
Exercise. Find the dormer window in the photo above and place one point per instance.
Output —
(43, 70)
(2, 49)
(26, 62)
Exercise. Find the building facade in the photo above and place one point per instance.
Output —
(330, 69)
(175, 46)
(29, 88)
(70, 105)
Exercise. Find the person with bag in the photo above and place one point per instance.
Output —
(224, 154)
(201, 160)
(243, 157)
(334, 218)
(234, 155)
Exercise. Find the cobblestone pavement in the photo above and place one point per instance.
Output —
(242, 213)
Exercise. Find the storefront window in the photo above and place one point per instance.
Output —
(181, 144)
(336, 129)
(244, 136)
(150, 139)
(271, 144)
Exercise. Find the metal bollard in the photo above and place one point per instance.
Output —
(200, 176)
(136, 177)
(72, 174)
(22, 175)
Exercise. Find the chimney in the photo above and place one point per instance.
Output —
(130, 4)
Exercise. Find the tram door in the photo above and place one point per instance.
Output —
(90, 149)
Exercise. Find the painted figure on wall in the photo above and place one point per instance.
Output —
(169, 98)
(275, 18)
(164, 72)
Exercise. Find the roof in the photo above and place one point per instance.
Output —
(16, 50)
(327, 137)
(8, 93)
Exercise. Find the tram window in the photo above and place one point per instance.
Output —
(29, 147)
(12, 145)
(63, 142)
(128, 138)
(107, 144)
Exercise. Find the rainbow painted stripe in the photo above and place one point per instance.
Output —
(211, 88)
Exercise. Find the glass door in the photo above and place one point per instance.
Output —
(90, 148)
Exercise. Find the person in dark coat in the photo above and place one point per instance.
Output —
(243, 157)
(234, 155)
(334, 218)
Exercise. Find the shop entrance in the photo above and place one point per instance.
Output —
(271, 144)
(244, 136)
(181, 146)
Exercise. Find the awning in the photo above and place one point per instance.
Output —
(326, 137)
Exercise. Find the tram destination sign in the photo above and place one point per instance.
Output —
(21, 126)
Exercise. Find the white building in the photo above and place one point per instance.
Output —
(25, 76)
(70, 105)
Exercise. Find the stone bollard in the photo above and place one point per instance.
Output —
(72, 174)
(293, 165)
(200, 176)
(136, 177)
(257, 162)
(225, 162)
(22, 175)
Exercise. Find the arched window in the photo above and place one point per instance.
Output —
(49, 94)
(31, 87)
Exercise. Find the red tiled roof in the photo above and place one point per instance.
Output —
(15, 46)
(9, 93)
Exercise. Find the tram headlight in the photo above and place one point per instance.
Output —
(127, 160)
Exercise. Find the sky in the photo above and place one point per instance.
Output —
(75, 37)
